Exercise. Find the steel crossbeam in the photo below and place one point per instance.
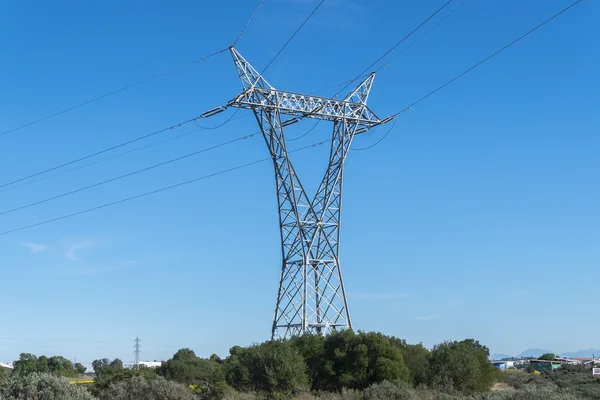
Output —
(311, 296)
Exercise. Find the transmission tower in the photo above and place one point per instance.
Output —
(311, 296)
(136, 352)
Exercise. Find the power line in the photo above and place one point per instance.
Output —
(394, 46)
(132, 85)
(305, 133)
(222, 172)
(137, 139)
(425, 34)
(122, 89)
(394, 116)
(180, 136)
(101, 160)
(377, 142)
(398, 54)
(248, 23)
(139, 171)
(489, 57)
(293, 35)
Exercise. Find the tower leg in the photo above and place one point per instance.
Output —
(311, 297)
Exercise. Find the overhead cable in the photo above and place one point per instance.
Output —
(132, 85)
(489, 57)
(423, 35)
(163, 189)
(139, 171)
(394, 116)
(180, 136)
(248, 23)
(293, 35)
(394, 46)
(377, 142)
(137, 139)
(399, 53)
(122, 89)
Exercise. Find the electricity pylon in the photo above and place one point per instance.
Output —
(311, 296)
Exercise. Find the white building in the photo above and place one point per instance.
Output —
(150, 364)
(3, 365)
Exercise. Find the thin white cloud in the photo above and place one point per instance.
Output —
(379, 296)
(75, 246)
(427, 318)
(36, 247)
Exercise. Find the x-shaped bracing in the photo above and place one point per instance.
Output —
(311, 296)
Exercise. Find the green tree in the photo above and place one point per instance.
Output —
(275, 368)
(462, 366)
(311, 347)
(37, 386)
(207, 375)
(97, 365)
(26, 364)
(61, 366)
(358, 360)
(80, 368)
(416, 359)
(547, 356)
(110, 372)
(42, 364)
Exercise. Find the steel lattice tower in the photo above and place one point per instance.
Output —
(311, 296)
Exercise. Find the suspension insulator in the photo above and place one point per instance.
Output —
(213, 111)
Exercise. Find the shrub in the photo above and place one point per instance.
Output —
(4, 374)
(533, 392)
(387, 390)
(461, 366)
(275, 368)
(139, 388)
(41, 386)
(519, 379)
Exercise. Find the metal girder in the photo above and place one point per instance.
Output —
(259, 93)
(311, 297)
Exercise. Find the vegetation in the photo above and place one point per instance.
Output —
(461, 366)
(157, 388)
(56, 365)
(4, 374)
(41, 386)
(547, 356)
(342, 366)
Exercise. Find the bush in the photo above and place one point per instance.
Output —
(461, 366)
(358, 360)
(275, 368)
(519, 379)
(205, 376)
(389, 391)
(5, 373)
(533, 392)
(41, 386)
(138, 388)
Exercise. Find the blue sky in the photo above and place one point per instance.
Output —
(477, 217)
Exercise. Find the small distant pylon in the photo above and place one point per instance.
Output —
(137, 352)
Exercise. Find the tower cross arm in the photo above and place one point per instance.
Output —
(302, 105)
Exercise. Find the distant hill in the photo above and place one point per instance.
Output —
(582, 354)
(534, 353)
(499, 356)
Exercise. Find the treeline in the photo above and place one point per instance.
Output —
(57, 365)
(342, 362)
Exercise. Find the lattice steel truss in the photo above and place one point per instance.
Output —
(311, 296)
